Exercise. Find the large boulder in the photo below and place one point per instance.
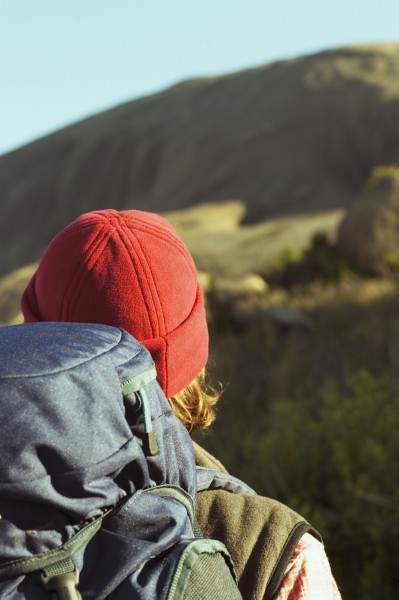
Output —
(11, 287)
(369, 234)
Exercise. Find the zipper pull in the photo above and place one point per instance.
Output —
(150, 441)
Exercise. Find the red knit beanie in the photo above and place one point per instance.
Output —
(128, 269)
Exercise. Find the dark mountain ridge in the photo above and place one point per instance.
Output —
(287, 138)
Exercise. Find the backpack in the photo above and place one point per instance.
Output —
(97, 476)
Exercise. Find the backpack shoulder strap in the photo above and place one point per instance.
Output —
(260, 533)
(203, 458)
(210, 479)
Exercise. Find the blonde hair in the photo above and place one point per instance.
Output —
(194, 405)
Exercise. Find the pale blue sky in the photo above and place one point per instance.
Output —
(61, 61)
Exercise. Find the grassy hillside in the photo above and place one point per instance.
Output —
(288, 138)
(310, 415)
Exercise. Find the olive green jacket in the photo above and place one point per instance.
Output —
(259, 533)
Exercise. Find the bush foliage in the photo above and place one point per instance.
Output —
(382, 172)
(310, 417)
(333, 457)
(322, 262)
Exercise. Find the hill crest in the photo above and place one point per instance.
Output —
(287, 138)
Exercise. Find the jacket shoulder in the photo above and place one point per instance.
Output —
(203, 458)
(260, 534)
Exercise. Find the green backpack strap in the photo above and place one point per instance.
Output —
(205, 568)
(178, 494)
(58, 572)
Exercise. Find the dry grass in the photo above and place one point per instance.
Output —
(222, 246)
(319, 297)
(288, 138)
(11, 288)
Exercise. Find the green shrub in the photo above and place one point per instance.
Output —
(392, 262)
(321, 261)
(382, 172)
(334, 457)
(295, 428)
(289, 256)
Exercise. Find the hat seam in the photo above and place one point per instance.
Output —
(142, 225)
(77, 280)
(126, 240)
(192, 309)
(154, 282)
(156, 229)
(173, 242)
(69, 232)
(166, 337)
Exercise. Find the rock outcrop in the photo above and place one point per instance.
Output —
(369, 234)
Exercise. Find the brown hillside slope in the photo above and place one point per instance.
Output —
(291, 137)
(224, 247)
(224, 250)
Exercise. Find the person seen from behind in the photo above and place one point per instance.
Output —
(129, 269)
